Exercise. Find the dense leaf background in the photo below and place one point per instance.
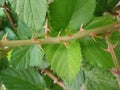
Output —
(79, 64)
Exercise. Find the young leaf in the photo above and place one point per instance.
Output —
(28, 79)
(65, 61)
(27, 56)
(70, 14)
(31, 12)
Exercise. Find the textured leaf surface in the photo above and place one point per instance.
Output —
(23, 30)
(97, 22)
(100, 79)
(4, 63)
(22, 79)
(70, 14)
(104, 5)
(92, 50)
(31, 12)
(65, 61)
(77, 82)
(27, 56)
(94, 54)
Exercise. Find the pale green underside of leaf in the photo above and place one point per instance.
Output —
(100, 79)
(28, 79)
(77, 82)
(31, 12)
(65, 61)
(93, 78)
(70, 14)
(27, 56)
(24, 31)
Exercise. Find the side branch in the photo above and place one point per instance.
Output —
(7, 11)
(63, 39)
(112, 52)
(53, 77)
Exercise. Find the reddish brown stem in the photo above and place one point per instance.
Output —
(63, 39)
(53, 77)
(7, 11)
(112, 52)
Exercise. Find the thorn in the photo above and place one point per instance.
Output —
(116, 45)
(106, 50)
(69, 35)
(115, 72)
(42, 71)
(93, 36)
(99, 37)
(47, 30)
(66, 44)
(54, 81)
(58, 35)
(118, 18)
(40, 45)
(34, 39)
(4, 38)
(81, 28)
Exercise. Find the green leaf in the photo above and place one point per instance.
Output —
(50, 84)
(111, 4)
(97, 22)
(70, 14)
(104, 5)
(2, 2)
(99, 79)
(11, 35)
(27, 56)
(4, 63)
(94, 54)
(2, 14)
(93, 50)
(65, 61)
(31, 12)
(100, 7)
(77, 82)
(23, 30)
(28, 79)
